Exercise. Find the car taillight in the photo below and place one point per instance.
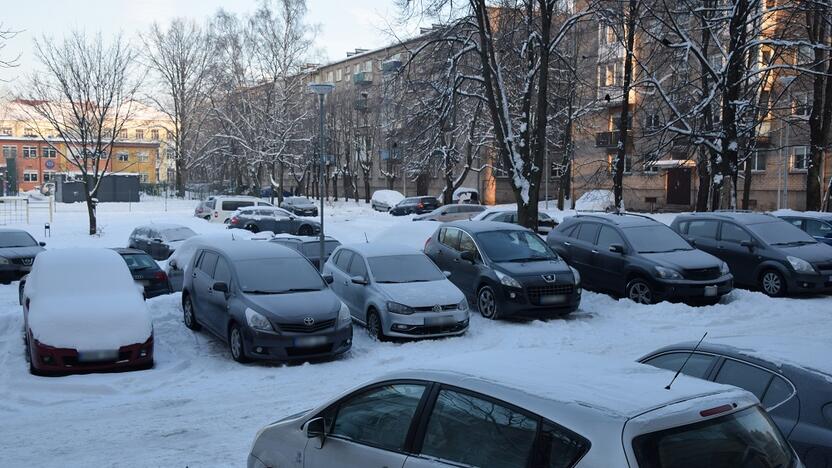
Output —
(420, 205)
(234, 220)
(216, 214)
(427, 243)
(161, 276)
(716, 410)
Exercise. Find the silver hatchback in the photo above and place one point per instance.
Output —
(397, 291)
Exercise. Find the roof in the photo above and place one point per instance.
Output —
(281, 237)
(739, 216)
(825, 216)
(382, 249)
(485, 226)
(128, 251)
(6, 229)
(623, 219)
(244, 250)
(162, 226)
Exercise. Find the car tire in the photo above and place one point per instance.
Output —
(772, 283)
(640, 291)
(207, 218)
(253, 228)
(374, 327)
(305, 230)
(487, 303)
(236, 344)
(20, 292)
(189, 314)
(227, 221)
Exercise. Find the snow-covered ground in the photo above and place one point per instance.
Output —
(199, 408)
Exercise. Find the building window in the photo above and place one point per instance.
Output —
(6, 131)
(30, 152)
(766, 55)
(330, 76)
(141, 156)
(140, 134)
(170, 153)
(801, 104)
(154, 135)
(9, 152)
(628, 163)
(49, 152)
(168, 135)
(122, 134)
(800, 158)
(771, 4)
(758, 161)
(144, 177)
(368, 66)
(123, 156)
(339, 74)
(653, 122)
(29, 132)
(804, 54)
(30, 176)
(48, 176)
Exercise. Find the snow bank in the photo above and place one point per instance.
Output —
(409, 234)
(596, 200)
(388, 197)
(85, 299)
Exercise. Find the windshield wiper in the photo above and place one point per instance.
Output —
(259, 291)
(530, 259)
(388, 282)
(283, 291)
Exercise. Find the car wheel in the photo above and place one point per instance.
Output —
(374, 327)
(772, 283)
(487, 303)
(207, 218)
(640, 291)
(236, 345)
(227, 221)
(188, 314)
(20, 292)
(253, 228)
(305, 230)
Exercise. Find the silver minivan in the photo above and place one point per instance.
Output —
(529, 409)
(397, 291)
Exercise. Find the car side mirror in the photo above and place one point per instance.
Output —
(447, 274)
(467, 255)
(748, 243)
(617, 248)
(359, 280)
(316, 427)
(157, 241)
(43, 244)
(328, 279)
(691, 241)
(220, 286)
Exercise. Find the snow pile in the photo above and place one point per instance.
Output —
(596, 200)
(410, 234)
(387, 197)
(96, 308)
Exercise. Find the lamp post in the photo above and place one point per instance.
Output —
(321, 89)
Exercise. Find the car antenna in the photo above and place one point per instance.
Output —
(365, 238)
(686, 361)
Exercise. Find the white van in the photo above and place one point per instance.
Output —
(529, 409)
(222, 207)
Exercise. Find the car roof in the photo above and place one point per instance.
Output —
(162, 226)
(622, 220)
(382, 249)
(6, 229)
(234, 197)
(247, 250)
(303, 239)
(128, 251)
(824, 216)
(577, 390)
(484, 226)
(739, 216)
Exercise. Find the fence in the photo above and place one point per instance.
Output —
(25, 210)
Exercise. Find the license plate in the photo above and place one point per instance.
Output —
(96, 356)
(556, 299)
(710, 291)
(439, 321)
(309, 341)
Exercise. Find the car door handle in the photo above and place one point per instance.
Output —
(594, 251)
(567, 244)
(456, 260)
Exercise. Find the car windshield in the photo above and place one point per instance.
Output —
(300, 201)
(178, 234)
(16, 239)
(746, 438)
(781, 233)
(138, 261)
(404, 269)
(655, 239)
(313, 249)
(514, 246)
(278, 276)
(410, 201)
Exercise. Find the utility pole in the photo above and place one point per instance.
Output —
(321, 89)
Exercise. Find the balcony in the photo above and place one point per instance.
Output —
(606, 139)
(362, 78)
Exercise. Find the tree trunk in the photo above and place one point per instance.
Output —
(90, 199)
(704, 180)
(624, 119)
(179, 166)
(746, 186)
(367, 187)
(820, 119)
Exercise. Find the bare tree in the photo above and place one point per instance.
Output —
(84, 95)
(6, 35)
(819, 26)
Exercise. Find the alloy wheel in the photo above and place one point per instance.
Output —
(772, 284)
(640, 292)
(188, 314)
(487, 303)
(235, 343)
(374, 326)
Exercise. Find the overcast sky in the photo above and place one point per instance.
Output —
(344, 24)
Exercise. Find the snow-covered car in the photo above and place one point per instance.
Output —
(93, 323)
(221, 208)
(300, 206)
(277, 220)
(448, 213)
(17, 253)
(465, 195)
(596, 200)
(159, 240)
(397, 291)
(203, 210)
(488, 409)
(181, 258)
(383, 200)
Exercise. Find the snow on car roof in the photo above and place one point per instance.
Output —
(162, 226)
(614, 387)
(241, 250)
(382, 249)
(104, 270)
(742, 217)
(485, 226)
(826, 216)
(621, 219)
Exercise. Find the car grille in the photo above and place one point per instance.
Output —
(702, 274)
(303, 328)
(26, 261)
(436, 329)
(443, 308)
(536, 292)
(824, 266)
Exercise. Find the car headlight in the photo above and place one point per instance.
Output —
(463, 305)
(397, 308)
(800, 265)
(4, 261)
(507, 280)
(577, 275)
(723, 269)
(257, 321)
(667, 273)
(344, 316)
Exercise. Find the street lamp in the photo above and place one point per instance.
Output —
(321, 89)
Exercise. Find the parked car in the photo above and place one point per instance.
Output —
(415, 205)
(762, 251)
(507, 270)
(465, 195)
(203, 210)
(223, 207)
(396, 291)
(181, 258)
(383, 200)
(300, 206)
(266, 301)
(639, 258)
(18, 250)
(816, 224)
(159, 240)
(100, 323)
(796, 394)
(530, 410)
(146, 272)
(276, 220)
(309, 246)
(451, 213)
(545, 223)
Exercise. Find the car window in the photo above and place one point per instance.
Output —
(380, 417)
(234, 205)
(452, 209)
(705, 229)
(827, 413)
(733, 233)
(778, 391)
(745, 376)
(451, 238)
(211, 204)
(313, 249)
(795, 221)
(571, 231)
(357, 266)
(683, 227)
(608, 236)
(559, 448)
(818, 228)
(697, 366)
(466, 243)
(343, 260)
(222, 273)
(475, 432)
(588, 232)
(207, 262)
(139, 261)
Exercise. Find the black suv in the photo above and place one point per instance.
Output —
(508, 270)
(640, 258)
(417, 205)
(762, 250)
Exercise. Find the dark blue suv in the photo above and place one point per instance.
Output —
(816, 224)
